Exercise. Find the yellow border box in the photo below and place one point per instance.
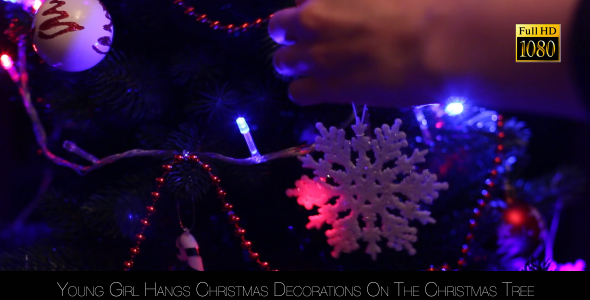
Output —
(538, 30)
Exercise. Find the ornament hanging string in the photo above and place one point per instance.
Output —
(185, 154)
(356, 114)
(182, 225)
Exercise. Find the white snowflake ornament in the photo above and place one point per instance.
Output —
(366, 199)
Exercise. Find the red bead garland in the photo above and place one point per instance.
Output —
(221, 194)
(230, 28)
(481, 203)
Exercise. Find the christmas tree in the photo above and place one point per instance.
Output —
(106, 165)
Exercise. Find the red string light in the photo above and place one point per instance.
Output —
(230, 28)
(220, 193)
(481, 203)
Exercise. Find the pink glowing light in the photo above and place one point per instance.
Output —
(310, 193)
(579, 265)
(37, 4)
(8, 65)
(6, 62)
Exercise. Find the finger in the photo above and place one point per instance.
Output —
(292, 60)
(283, 26)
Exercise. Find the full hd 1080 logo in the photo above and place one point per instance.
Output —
(538, 43)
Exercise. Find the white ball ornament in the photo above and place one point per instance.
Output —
(72, 35)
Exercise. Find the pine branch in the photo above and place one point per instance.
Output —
(131, 86)
(187, 138)
(41, 258)
(195, 66)
(218, 101)
(115, 211)
(537, 265)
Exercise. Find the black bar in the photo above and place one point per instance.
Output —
(335, 285)
(531, 49)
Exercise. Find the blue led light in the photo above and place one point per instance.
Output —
(454, 108)
(245, 130)
(511, 160)
(242, 125)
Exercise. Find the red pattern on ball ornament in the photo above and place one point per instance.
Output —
(72, 35)
(55, 21)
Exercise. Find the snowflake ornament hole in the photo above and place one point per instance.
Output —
(400, 196)
(332, 201)
(361, 221)
(378, 221)
(338, 167)
(374, 191)
(329, 180)
(393, 211)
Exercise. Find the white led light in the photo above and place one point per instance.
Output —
(6, 61)
(245, 130)
(454, 108)
(242, 125)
